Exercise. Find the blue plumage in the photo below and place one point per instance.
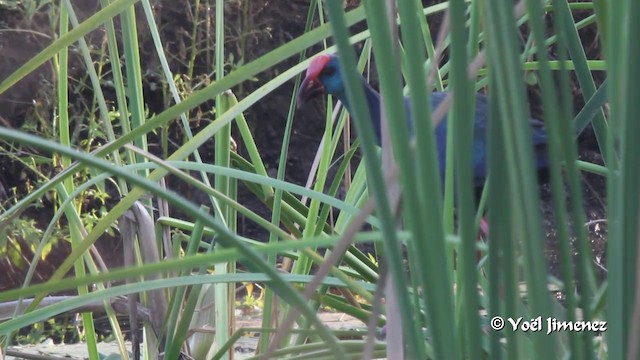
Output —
(324, 74)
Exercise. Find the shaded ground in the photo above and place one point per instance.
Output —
(255, 27)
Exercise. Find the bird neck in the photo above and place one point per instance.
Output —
(373, 102)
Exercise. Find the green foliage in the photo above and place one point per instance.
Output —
(22, 236)
(96, 157)
(249, 303)
(49, 329)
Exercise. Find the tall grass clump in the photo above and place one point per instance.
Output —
(429, 285)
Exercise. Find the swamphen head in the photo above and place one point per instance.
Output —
(323, 75)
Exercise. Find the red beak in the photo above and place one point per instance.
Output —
(311, 86)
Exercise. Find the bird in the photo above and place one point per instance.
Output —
(323, 76)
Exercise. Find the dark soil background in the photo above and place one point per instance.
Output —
(254, 28)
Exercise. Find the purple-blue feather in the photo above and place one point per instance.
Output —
(334, 85)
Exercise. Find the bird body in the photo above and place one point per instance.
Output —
(323, 75)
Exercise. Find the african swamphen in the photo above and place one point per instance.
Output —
(323, 75)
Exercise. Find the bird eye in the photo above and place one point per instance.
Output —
(329, 71)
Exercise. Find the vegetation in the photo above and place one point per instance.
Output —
(108, 163)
